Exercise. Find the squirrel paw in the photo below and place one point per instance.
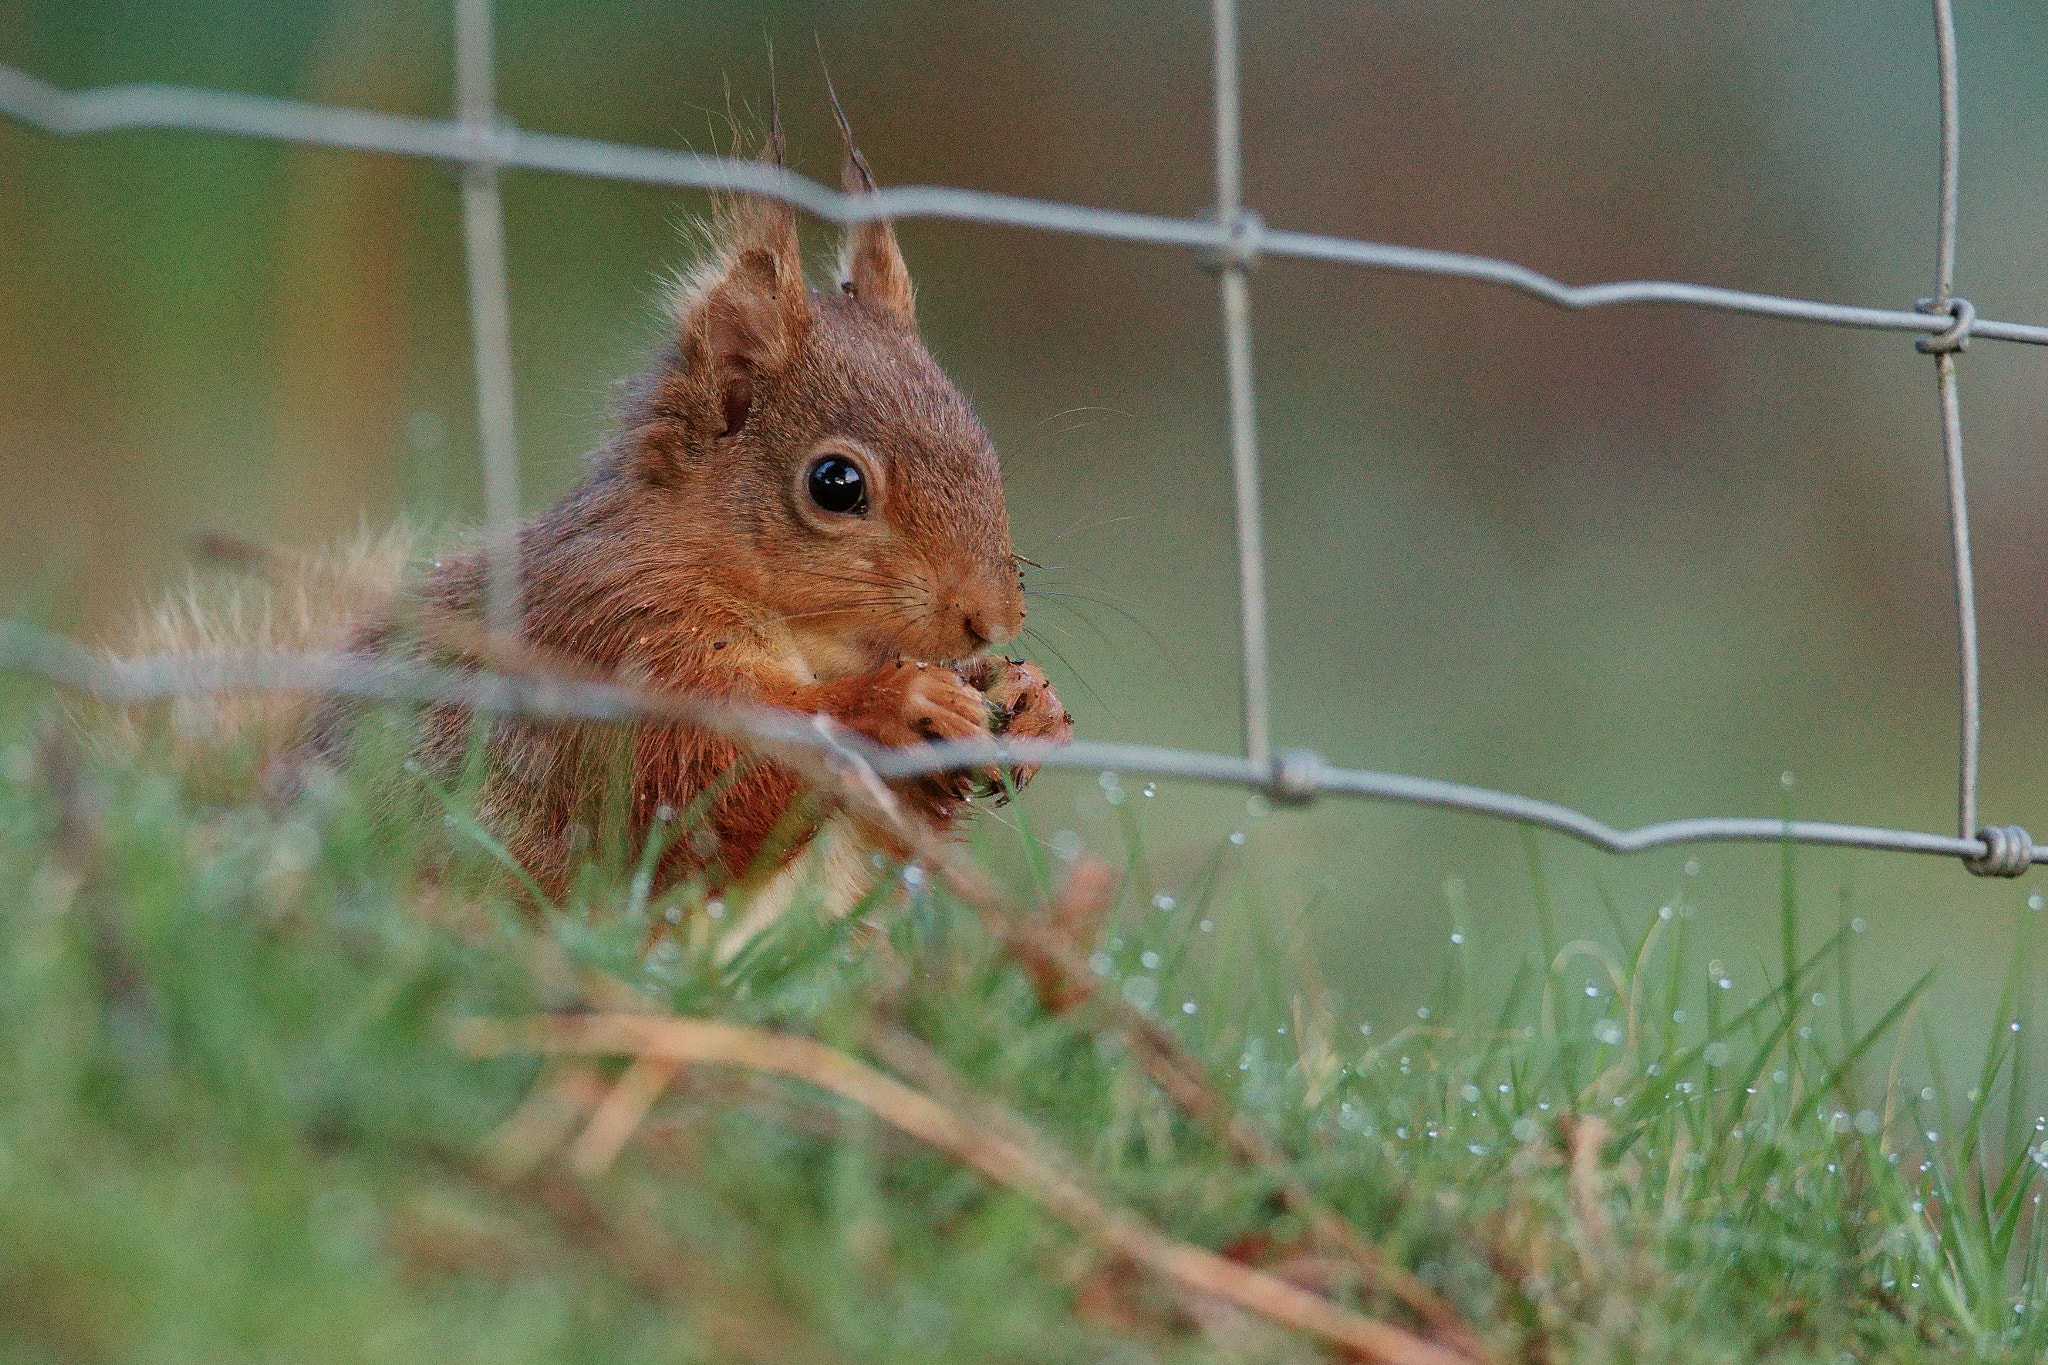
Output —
(915, 703)
(1021, 705)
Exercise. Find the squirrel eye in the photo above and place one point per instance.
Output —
(836, 484)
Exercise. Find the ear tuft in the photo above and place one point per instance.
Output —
(744, 314)
(871, 264)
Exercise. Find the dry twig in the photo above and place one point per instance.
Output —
(996, 1155)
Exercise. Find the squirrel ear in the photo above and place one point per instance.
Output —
(745, 315)
(870, 261)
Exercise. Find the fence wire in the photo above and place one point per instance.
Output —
(484, 145)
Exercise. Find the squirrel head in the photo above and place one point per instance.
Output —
(812, 446)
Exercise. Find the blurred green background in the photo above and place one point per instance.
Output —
(1642, 562)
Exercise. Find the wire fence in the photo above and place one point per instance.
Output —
(1230, 243)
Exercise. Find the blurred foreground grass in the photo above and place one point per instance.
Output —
(236, 1122)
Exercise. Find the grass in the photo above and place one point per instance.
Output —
(235, 1123)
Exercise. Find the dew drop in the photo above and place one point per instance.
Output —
(1457, 939)
(1163, 901)
(1187, 1007)
(1237, 836)
(1149, 959)
(1151, 789)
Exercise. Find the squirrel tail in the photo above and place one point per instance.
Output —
(252, 599)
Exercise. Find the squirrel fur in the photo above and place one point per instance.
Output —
(698, 553)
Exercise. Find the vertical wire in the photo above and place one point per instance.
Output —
(490, 315)
(1237, 355)
(1971, 720)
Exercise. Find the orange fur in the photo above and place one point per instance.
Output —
(691, 556)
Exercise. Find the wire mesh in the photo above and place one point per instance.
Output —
(1231, 242)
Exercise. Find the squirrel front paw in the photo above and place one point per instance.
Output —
(907, 703)
(1021, 705)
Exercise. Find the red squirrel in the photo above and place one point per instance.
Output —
(800, 510)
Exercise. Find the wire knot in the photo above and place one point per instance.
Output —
(2008, 851)
(1297, 776)
(1243, 238)
(1956, 336)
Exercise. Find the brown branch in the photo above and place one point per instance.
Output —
(999, 1157)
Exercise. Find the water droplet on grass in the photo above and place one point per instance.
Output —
(1163, 901)
(1150, 960)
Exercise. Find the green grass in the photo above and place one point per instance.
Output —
(233, 1124)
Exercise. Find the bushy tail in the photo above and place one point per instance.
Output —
(259, 601)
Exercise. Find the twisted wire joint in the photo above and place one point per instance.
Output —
(1957, 336)
(1297, 777)
(1243, 239)
(2008, 851)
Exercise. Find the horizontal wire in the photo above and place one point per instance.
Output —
(115, 108)
(130, 682)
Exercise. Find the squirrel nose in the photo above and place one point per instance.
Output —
(989, 625)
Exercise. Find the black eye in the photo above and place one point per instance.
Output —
(837, 485)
